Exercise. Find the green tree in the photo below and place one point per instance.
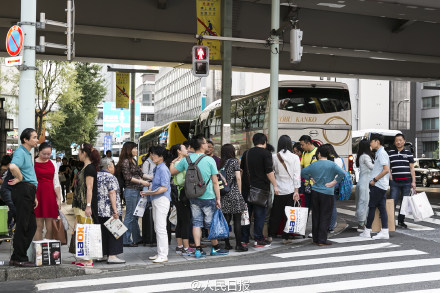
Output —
(76, 119)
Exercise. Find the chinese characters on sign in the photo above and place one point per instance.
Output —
(209, 23)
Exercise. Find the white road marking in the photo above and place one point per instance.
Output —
(324, 287)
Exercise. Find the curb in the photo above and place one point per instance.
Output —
(54, 272)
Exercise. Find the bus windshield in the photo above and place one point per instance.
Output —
(313, 100)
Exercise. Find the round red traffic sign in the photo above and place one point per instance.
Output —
(14, 40)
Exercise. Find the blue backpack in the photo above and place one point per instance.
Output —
(345, 186)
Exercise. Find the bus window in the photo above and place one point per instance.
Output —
(314, 100)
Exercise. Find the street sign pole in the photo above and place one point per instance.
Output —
(132, 105)
(26, 98)
(274, 70)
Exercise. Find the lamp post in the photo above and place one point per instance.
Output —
(398, 105)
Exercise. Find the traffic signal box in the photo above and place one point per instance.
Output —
(200, 61)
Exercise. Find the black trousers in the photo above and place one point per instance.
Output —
(237, 228)
(65, 188)
(110, 245)
(23, 196)
(322, 205)
(277, 213)
(183, 227)
(378, 200)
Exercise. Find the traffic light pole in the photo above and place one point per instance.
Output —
(274, 71)
(26, 98)
(226, 72)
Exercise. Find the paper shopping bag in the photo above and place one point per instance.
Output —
(116, 227)
(421, 208)
(377, 224)
(405, 208)
(296, 220)
(88, 241)
(245, 217)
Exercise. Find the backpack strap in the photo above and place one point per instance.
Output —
(199, 159)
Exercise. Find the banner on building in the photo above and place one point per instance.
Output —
(209, 23)
(122, 90)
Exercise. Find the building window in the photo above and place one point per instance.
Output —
(430, 124)
(143, 117)
(429, 147)
(100, 115)
(150, 117)
(430, 102)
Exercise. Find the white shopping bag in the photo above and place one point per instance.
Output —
(405, 208)
(245, 217)
(116, 227)
(88, 241)
(173, 216)
(140, 208)
(420, 206)
(296, 220)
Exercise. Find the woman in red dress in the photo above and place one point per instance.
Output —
(48, 192)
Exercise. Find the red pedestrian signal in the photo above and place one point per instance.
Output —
(200, 61)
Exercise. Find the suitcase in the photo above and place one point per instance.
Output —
(148, 234)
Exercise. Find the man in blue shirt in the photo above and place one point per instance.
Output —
(24, 186)
(378, 187)
(203, 207)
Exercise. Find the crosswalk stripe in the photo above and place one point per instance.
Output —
(357, 284)
(351, 239)
(227, 269)
(435, 206)
(411, 226)
(428, 220)
(334, 250)
(344, 285)
(436, 290)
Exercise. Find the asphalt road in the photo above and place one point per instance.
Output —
(408, 261)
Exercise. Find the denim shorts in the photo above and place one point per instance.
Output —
(202, 211)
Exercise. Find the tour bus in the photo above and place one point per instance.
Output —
(320, 109)
(358, 135)
(167, 135)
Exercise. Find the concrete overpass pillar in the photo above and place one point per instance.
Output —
(226, 71)
(26, 98)
(274, 70)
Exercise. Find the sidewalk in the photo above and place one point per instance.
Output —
(136, 257)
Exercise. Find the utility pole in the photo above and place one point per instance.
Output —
(26, 98)
(226, 72)
(274, 70)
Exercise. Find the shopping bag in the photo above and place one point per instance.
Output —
(219, 227)
(58, 231)
(245, 217)
(173, 216)
(64, 220)
(296, 219)
(377, 223)
(421, 208)
(88, 241)
(405, 207)
(116, 227)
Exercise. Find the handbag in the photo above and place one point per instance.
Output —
(62, 177)
(308, 187)
(257, 196)
(72, 243)
(58, 231)
(245, 217)
(224, 185)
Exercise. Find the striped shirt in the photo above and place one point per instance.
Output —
(400, 164)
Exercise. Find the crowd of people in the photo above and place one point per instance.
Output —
(303, 171)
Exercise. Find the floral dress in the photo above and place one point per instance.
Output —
(233, 202)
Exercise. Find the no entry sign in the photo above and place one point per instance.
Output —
(14, 40)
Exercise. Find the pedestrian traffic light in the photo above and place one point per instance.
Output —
(200, 60)
(296, 50)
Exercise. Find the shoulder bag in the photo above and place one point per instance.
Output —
(308, 187)
(257, 196)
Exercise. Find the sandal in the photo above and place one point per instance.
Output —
(81, 264)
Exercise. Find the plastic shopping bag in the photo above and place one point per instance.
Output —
(219, 227)
(296, 219)
(245, 217)
(88, 241)
(421, 208)
(405, 208)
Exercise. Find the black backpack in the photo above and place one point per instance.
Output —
(224, 185)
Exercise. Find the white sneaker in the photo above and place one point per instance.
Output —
(160, 259)
(153, 257)
(383, 234)
(115, 260)
(366, 233)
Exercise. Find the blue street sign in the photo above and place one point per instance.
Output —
(119, 131)
(107, 143)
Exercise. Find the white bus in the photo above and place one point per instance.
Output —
(320, 109)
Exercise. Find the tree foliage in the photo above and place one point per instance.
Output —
(75, 122)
